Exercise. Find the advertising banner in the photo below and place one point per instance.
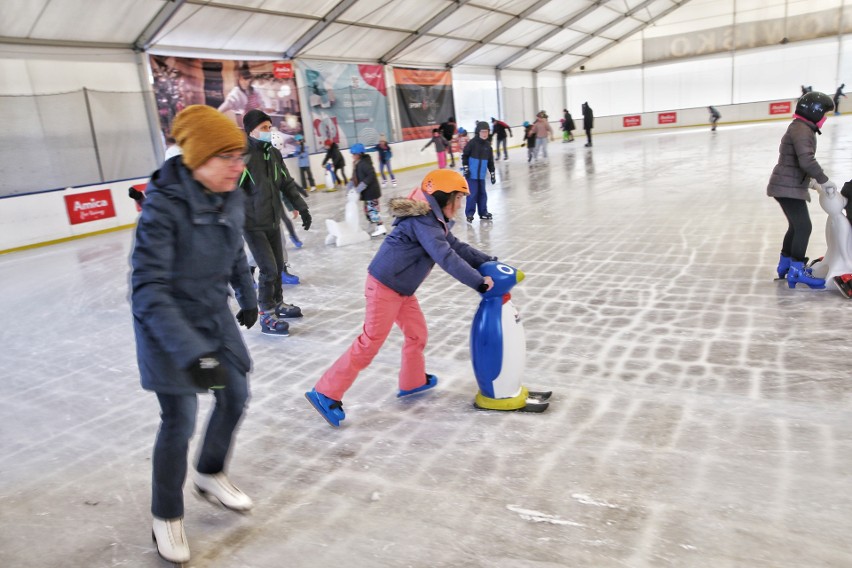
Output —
(89, 206)
(348, 101)
(635, 120)
(780, 108)
(233, 87)
(425, 98)
(667, 118)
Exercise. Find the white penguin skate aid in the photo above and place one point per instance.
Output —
(347, 232)
(838, 237)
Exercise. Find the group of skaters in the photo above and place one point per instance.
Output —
(200, 208)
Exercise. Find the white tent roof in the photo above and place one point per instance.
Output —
(544, 35)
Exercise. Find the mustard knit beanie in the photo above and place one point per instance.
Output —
(202, 132)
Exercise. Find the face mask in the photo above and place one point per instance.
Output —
(264, 136)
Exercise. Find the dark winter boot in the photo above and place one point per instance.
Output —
(797, 273)
(783, 266)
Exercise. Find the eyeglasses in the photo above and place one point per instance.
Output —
(234, 158)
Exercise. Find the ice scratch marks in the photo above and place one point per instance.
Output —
(539, 517)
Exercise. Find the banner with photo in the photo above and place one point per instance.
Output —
(425, 99)
(232, 86)
(348, 102)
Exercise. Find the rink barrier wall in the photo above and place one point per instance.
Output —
(39, 219)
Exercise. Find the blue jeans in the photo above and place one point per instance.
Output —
(177, 424)
(478, 198)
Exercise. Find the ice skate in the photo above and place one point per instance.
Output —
(798, 274)
(296, 242)
(844, 284)
(487, 217)
(331, 410)
(287, 278)
(284, 310)
(218, 489)
(431, 381)
(271, 325)
(393, 182)
(380, 230)
(171, 540)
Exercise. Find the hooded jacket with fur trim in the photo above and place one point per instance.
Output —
(420, 238)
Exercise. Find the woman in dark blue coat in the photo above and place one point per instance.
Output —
(188, 250)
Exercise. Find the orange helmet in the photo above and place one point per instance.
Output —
(447, 181)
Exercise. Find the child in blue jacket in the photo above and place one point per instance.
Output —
(304, 161)
(421, 237)
(477, 159)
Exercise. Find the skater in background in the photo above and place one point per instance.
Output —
(441, 145)
(500, 129)
(714, 117)
(588, 122)
(837, 94)
(421, 237)
(543, 133)
(477, 161)
(529, 141)
(266, 182)
(448, 130)
(385, 155)
(187, 255)
(568, 126)
(462, 139)
(335, 156)
(365, 182)
(304, 162)
(789, 183)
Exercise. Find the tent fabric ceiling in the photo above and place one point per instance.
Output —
(542, 35)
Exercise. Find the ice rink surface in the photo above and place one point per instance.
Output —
(701, 416)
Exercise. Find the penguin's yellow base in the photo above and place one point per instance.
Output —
(514, 403)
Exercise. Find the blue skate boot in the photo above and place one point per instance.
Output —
(783, 266)
(287, 278)
(431, 381)
(799, 274)
(331, 410)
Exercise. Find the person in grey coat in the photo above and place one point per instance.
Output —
(797, 170)
(188, 249)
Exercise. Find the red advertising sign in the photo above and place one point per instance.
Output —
(89, 206)
(667, 118)
(779, 108)
(635, 120)
(282, 70)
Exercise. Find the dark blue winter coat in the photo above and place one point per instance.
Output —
(421, 237)
(479, 158)
(188, 248)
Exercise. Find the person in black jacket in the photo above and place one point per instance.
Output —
(365, 182)
(448, 130)
(266, 182)
(567, 126)
(335, 156)
(588, 122)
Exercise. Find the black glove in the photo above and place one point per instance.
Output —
(493, 178)
(847, 190)
(465, 171)
(306, 219)
(247, 318)
(135, 194)
(208, 372)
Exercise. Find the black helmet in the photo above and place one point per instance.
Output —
(814, 105)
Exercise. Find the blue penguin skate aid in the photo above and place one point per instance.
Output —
(498, 346)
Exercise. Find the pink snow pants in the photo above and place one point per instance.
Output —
(442, 160)
(385, 307)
